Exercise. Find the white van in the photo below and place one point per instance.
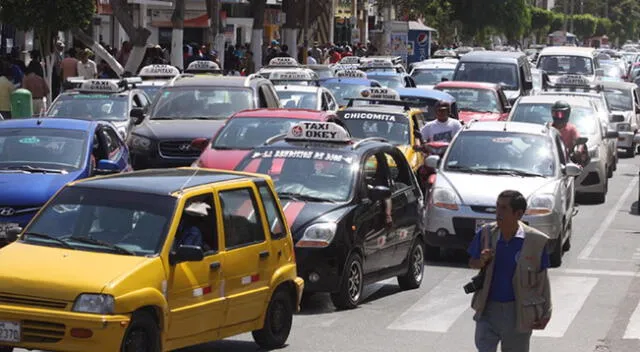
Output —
(558, 61)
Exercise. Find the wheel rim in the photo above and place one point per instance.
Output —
(279, 318)
(137, 340)
(355, 281)
(418, 263)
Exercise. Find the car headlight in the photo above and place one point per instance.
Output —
(624, 127)
(445, 198)
(139, 142)
(94, 303)
(540, 205)
(318, 235)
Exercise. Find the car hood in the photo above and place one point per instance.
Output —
(466, 186)
(15, 192)
(299, 215)
(58, 273)
(425, 86)
(222, 159)
(467, 116)
(178, 129)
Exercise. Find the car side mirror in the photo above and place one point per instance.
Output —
(582, 140)
(507, 109)
(379, 193)
(186, 253)
(106, 167)
(572, 170)
(12, 233)
(636, 138)
(199, 144)
(611, 134)
(137, 115)
(444, 79)
(528, 85)
(432, 161)
(616, 118)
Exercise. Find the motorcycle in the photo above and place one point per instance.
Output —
(427, 175)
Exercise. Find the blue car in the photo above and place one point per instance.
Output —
(39, 156)
(344, 89)
(426, 99)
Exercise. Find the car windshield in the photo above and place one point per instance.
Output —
(150, 90)
(431, 76)
(480, 100)
(393, 82)
(304, 174)
(296, 99)
(612, 70)
(540, 113)
(566, 64)
(324, 74)
(108, 220)
(516, 154)
(106, 107)
(345, 91)
(247, 133)
(619, 99)
(372, 123)
(42, 148)
(201, 102)
(505, 74)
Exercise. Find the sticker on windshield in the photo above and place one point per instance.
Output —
(461, 68)
(302, 154)
(30, 140)
(502, 140)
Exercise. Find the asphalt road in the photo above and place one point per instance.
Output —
(596, 296)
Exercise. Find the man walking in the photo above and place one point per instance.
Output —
(515, 295)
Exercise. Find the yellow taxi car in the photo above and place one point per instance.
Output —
(153, 260)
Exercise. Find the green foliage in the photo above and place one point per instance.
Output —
(584, 26)
(557, 22)
(603, 26)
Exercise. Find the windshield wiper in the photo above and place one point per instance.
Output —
(297, 197)
(113, 247)
(512, 172)
(32, 169)
(461, 168)
(289, 195)
(48, 237)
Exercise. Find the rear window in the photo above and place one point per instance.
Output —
(505, 74)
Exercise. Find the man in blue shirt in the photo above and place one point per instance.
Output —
(498, 320)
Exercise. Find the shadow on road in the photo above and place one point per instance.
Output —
(226, 345)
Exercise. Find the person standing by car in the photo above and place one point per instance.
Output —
(560, 113)
(513, 295)
(442, 128)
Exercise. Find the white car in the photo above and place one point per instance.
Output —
(624, 101)
(306, 97)
(429, 74)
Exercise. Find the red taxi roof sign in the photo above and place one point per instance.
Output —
(380, 93)
(159, 71)
(203, 66)
(318, 131)
(351, 74)
(100, 86)
(283, 62)
(291, 76)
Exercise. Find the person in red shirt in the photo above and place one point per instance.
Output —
(560, 113)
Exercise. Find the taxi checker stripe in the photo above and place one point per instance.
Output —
(292, 211)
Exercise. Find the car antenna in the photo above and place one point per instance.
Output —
(189, 179)
(505, 127)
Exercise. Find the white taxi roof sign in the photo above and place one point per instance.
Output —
(350, 60)
(318, 131)
(290, 76)
(379, 63)
(574, 80)
(283, 62)
(351, 74)
(159, 71)
(380, 93)
(100, 86)
(203, 65)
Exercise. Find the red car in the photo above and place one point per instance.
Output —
(248, 129)
(477, 100)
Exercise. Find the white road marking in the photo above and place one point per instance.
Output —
(439, 309)
(597, 236)
(633, 327)
(568, 296)
(596, 272)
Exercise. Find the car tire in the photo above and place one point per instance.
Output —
(350, 291)
(412, 279)
(555, 257)
(143, 334)
(568, 233)
(630, 152)
(610, 171)
(277, 322)
(6, 349)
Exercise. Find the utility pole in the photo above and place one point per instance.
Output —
(305, 33)
(573, 4)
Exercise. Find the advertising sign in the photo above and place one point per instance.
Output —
(419, 47)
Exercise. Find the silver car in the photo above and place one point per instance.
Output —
(486, 158)
(306, 97)
(593, 181)
(624, 101)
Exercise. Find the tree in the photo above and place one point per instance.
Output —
(541, 22)
(46, 18)
(137, 35)
(177, 35)
(514, 19)
(603, 26)
(584, 26)
(216, 38)
(557, 22)
(257, 34)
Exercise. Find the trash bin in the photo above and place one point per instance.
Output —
(21, 104)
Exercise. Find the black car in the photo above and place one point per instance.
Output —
(336, 192)
(194, 106)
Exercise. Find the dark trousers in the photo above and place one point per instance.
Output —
(498, 325)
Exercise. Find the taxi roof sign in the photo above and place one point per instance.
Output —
(380, 93)
(291, 76)
(203, 66)
(100, 86)
(351, 74)
(283, 62)
(159, 71)
(379, 63)
(318, 131)
(350, 60)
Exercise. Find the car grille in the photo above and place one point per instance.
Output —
(20, 209)
(483, 209)
(42, 331)
(31, 301)
(465, 228)
(177, 149)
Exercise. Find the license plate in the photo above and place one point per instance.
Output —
(481, 222)
(6, 226)
(9, 331)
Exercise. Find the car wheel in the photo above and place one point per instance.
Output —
(556, 253)
(568, 232)
(277, 322)
(143, 334)
(6, 349)
(610, 171)
(415, 271)
(351, 285)
(630, 152)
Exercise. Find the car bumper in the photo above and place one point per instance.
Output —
(320, 268)
(625, 139)
(51, 330)
(455, 229)
(593, 178)
(143, 161)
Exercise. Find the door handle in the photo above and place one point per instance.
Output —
(264, 254)
(214, 266)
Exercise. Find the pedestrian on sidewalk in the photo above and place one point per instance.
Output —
(86, 67)
(34, 82)
(513, 295)
(6, 89)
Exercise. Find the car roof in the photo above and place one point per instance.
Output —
(390, 109)
(214, 80)
(617, 85)
(425, 93)
(432, 65)
(161, 181)
(492, 56)
(50, 122)
(303, 114)
(466, 84)
(361, 81)
(507, 126)
(550, 99)
(568, 50)
(384, 73)
(297, 88)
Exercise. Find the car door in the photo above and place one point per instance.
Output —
(116, 148)
(636, 107)
(567, 196)
(249, 259)
(405, 210)
(195, 290)
(333, 103)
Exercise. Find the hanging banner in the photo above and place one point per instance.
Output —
(103, 7)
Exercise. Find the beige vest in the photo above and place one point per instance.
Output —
(531, 287)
